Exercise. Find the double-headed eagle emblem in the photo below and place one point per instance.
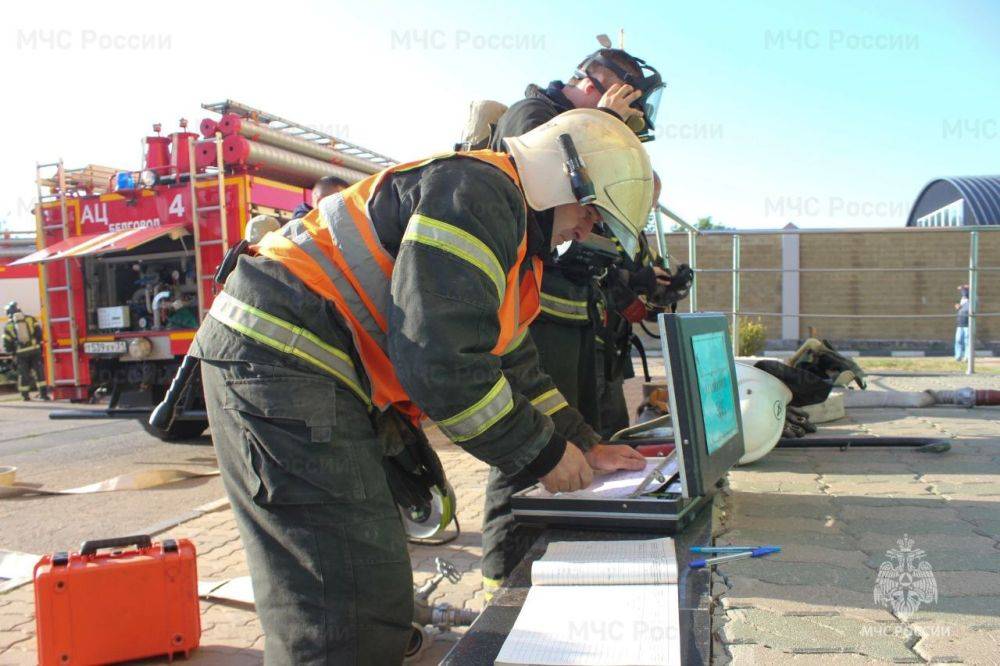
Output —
(906, 580)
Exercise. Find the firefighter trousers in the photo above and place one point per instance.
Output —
(301, 464)
(30, 371)
(611, 398)
(567, 354)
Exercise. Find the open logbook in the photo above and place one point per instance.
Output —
(599, 603)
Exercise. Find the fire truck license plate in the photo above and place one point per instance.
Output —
(113, 347)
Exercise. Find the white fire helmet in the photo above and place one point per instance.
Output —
(763, 402)
(614, 159)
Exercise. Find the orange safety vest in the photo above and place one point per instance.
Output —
(336, 252)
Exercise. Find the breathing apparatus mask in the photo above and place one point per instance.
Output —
(648, 82)
(593, 255)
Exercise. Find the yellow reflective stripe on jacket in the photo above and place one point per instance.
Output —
(462, 244)
(550, 402)
(288, 338)
(481, 416)
(24, 350)
(563, 307)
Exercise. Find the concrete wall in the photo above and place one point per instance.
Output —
(907, 292)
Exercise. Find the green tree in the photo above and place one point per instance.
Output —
(703, 224)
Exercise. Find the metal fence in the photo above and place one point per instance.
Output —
(735, 312)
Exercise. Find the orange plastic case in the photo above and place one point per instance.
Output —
(100, 608)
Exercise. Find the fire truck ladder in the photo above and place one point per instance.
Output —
(193, 178)
(301, 131)
(70, 318)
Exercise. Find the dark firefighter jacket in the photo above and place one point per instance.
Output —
(442, 320)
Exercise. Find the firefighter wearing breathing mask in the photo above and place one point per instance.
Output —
(22, 338)
(407, 295)
(622, 87)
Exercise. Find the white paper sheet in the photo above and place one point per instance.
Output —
(620, 484)
(593, 625)
(570, 619)
(636, 562)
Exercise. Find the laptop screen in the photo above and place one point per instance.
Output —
(704, 400)
(715, 388)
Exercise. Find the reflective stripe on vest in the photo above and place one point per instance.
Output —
(336, 252)
(550, 402)
(564, 308)
(516, 342)
(288, 338)
(25, 350)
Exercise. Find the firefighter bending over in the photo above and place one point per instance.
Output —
(22, 337)
(409, 294)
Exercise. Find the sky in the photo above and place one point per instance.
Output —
(825, 114)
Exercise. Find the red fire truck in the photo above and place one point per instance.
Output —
(127, 259)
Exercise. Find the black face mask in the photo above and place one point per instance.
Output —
(649, 83)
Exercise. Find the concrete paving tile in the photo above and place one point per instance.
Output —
(16, 657)
(816, 554)
(959, 490)
(958, 465)
(19, 622)
(968, 583)
(776, 483)
(803, 599)
(825, 525)
(762, 655)
(942, 643)
(964, 611)
(922, 502)
(807, 506)
(11, 641)
(987, 528)
(977, 511)
(888, 523)
(946, 560)
(903, 479)
(967, 427)
(848, 466)
(913, 489)
(942, 512)
(787, 457)
(220, 655)
(771, 570)
(748, 535)
(831, 459)
(812, 634)
(878, 543)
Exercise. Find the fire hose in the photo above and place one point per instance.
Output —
(231, 124)
(150, 478)
(291, 167)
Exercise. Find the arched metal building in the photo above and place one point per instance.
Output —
(957, 202)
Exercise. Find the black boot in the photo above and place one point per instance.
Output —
(25, 396)
(43, 392)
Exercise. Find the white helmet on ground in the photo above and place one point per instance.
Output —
(613, 158)
(763, 402)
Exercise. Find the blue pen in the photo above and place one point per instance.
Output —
(756, 552)
(725, 549)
